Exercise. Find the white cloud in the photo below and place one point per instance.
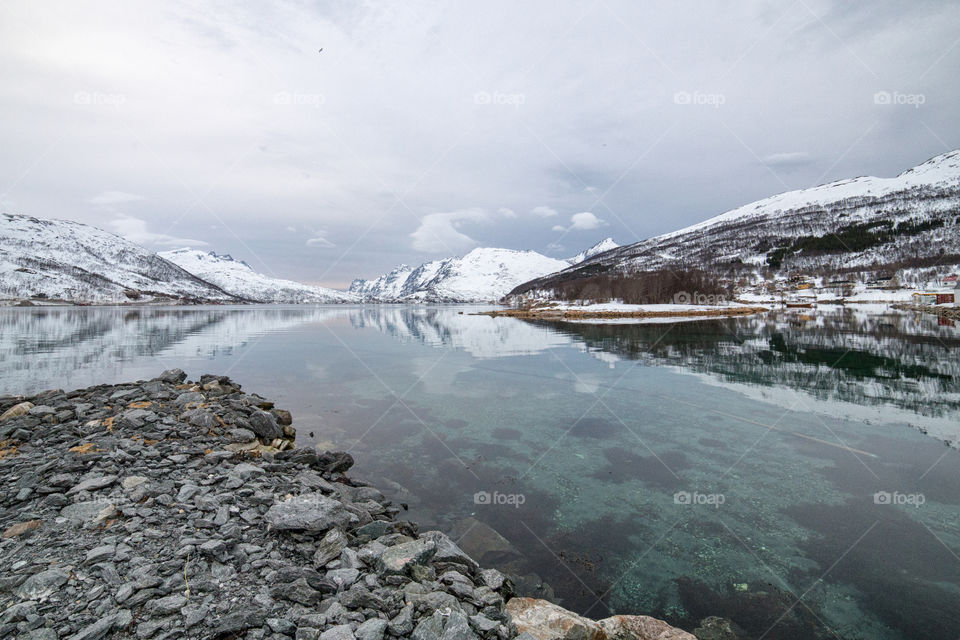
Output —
(507, 213)
(291, 229)
(107, 198)
(319, 240)
(556, 247)
(544, 211)
(439, 232)
(584, 221)
(787, 159)
(135, 230)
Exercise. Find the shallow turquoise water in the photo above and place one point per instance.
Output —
(788, 472)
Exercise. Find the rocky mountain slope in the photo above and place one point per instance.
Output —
(238, 278)
(64, 260)
(483, 275)
(866, 223)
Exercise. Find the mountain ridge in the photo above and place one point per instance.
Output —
(55, 259)
(864, 224)
(239, 279)
(484, 274)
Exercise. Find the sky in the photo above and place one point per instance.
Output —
(326, 141)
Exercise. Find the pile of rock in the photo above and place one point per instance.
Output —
(169, 509)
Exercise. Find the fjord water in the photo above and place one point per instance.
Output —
(787, 471)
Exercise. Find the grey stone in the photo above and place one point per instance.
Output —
(343, 578)
(282, 626)
(40, 585)
(82, 513)
(92, 484)
(339, 632)
(457, 627)
(313, 512)
(240, 621)
(189, 397)
(447, 549)
(42, 410)
(264, 425)
(429, 628)
(492, 578)
(402, 624)
(95, 631)
(132, 482)
(483, 624)
(372, 629)
(247, 471)
(43, 633)
(166, 606)
(187, 492)
(193, 616)
(172, 376)
(298, 591)
(242, 435)
(101, 553)
(329, 547)
(399, 558)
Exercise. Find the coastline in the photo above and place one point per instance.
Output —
(572, 313)
(173, 509)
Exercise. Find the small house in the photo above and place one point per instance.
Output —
(924, 298)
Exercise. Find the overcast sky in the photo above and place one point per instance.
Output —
(424, 129)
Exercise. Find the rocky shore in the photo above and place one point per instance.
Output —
(175, 509)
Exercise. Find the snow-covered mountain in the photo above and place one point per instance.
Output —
(64, 260)
(238, 278)
(483, 275)
(604, 245)
(866, 223)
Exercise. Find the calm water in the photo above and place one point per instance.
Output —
(791, 472)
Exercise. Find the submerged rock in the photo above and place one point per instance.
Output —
(546, 621)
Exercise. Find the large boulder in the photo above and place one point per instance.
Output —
(400, 558)
(264, 425)
(546, 621)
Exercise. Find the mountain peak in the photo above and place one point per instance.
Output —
(604, 245)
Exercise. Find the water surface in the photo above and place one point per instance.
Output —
(793, 472)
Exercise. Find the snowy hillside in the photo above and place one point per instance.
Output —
(483, 275)
(237, 278)
(910, 221)
(63, 260)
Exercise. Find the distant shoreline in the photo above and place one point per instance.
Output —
(550, 313)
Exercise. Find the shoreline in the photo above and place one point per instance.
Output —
(173, 509)
(550, 313)
(952, 313)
